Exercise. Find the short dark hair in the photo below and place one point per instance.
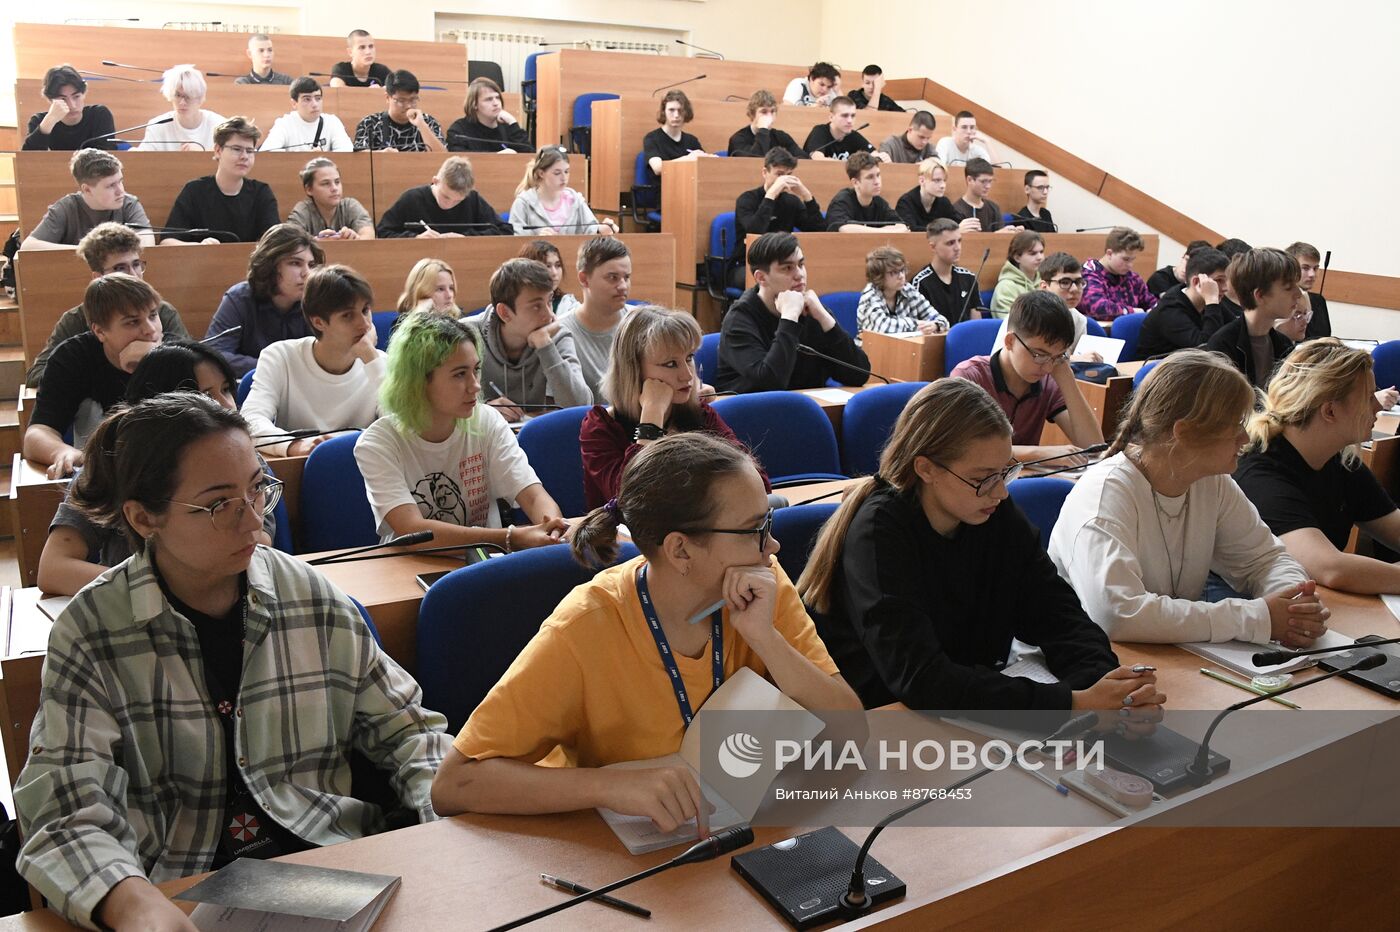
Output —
(964, 115)
(1301, 251)
(333, 288)
(355, 34)
(940, 226)
(761, 98)
(170, 367)
(1041, 314)
(923, 118)
(824, 69)
(873, 69)
(513, 277)
(1233, 247)
(1196, 244)
(401, 80)
(236, 126)
(1205, 261)
(859, 162)
(1022, 243)
(1033, 174)
(107, 239)
(977, 166)
(842, 101)
(61, 76)
(304, 85)
(1122, 239)
(109, 296)
(600, 249)
(1259, 270)
(770, 248)
(678, 96)
(778, 157)
(1057, 264)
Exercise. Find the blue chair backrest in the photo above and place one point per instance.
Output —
(527, 83)
(723, 235)
(1008, 218)
(245, 385)
(796, 529)
(867, 422)
(282, 536)
(842, 305)
(788, 432)
(1128, 328)
(335, 510)
(551, 443)
(986, 296)
(583, 107)
(646, 187)
(384, 327)
(1094, 328)
(1041, 498)
(475, 621)
(967, 339)
(1142, 373)
(1385, 359)
(707, 356)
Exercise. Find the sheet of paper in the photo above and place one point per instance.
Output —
(1107, 347)
(1392, 602)
(54, 605)
(832, 395)
(1032, 667)
(1364, 345)
(745, 691)
(1237, 655)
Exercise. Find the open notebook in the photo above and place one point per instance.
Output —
(743, 691)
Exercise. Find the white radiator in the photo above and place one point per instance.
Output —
(507, 49)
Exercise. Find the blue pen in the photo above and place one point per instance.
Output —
(1053, 784)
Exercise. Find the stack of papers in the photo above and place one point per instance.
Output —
(1237, 655)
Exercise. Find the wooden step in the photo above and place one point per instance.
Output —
(10, 436)
(11, 333)
(11, 373)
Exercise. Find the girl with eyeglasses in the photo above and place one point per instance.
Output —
(545, 205)
(1143, 530)
(202, 701)
(617, 671)
(926, 573)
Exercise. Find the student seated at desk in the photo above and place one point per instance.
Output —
(669, 142)
(1111, 287)
(1266, 284)
(889, 304)
(77, 549)
(487, 126)
(1303, 472)
(1187, 315)
(327, 213)
(819, 88)
(190, 128)
(656, 391)
(545, 205)
(909, 577)
(758, 138)
(605, 272)
(543, 251)
(838, 138)
(1035, 215)
(527, 358)
(858, 208)
(108, 248)
(228, 200)
(266, 307)
(69, 124)
(950, 288)
(100, 198)
(448, 202)
(1030, 377)
(91, 370)
(1309, 260)
(328, 381)
(780, 205)
(307, 126)
(598, 686)
(205, 684)
(1061, 274)
(913, 145)
(361, 70)
(1142, 529)
(260, 56)
(974, 203)
(438, 460)
(870, 94)
(401, 126)
(1018, 275)
(431, 286)
(965, 144)
(762, 335)
(920, 206)
(1169, 276)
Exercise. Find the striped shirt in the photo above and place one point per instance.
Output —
(378, 131)
(873, 312)
(127, 775)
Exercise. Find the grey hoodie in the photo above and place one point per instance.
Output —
(551, 374)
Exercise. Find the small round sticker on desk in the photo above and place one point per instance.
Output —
(1272, 682)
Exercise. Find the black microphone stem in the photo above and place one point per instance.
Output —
(1326, 261)
(976, 285)
(427, 551)
(1286, 655)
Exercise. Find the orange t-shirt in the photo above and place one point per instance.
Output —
(591, 683)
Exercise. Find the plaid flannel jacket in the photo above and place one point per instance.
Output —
(127, 772)
(910, 307)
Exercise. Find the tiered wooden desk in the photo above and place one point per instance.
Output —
(619, 125)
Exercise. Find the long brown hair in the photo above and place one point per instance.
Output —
(939, 424)
(276, 244)
(1199, 388)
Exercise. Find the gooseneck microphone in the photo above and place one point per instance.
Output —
(1199, 771)
(116, 64)
(1326, 261)
(1096, 229)
(517, 146)
(667, 87)
(403, 540)
(701, 48)
(1269, 657)
(723, 842)
(809, 351)
(976, 285)
(109, 77)
(117, 132)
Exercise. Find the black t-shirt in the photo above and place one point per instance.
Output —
(755, 213)
(1290, 495)
(758, 351)
(77, 371)
(862, 102)
(378, 74)
(96, 121)
(911, 210)
(247, 215)
(947, 299)
(846, 208)
(472, 136)
(989, 214)
(1040, 223)
(1161, 280)
(821, 138)
(747, 144)
(657, 145)
(1321, 323)
(419, 204)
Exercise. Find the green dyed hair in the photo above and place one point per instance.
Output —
(421, 342)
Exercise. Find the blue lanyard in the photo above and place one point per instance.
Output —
(663, 647)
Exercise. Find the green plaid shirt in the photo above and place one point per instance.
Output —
(127, 772)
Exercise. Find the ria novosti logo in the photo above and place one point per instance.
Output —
(740, 755)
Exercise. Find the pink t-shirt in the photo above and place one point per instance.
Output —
(1027, 413)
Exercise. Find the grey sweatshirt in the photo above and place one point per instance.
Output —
(551, 374)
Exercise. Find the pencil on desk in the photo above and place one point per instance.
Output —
(1249, 687)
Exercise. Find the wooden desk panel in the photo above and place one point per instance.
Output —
(39, 46)
(694, 193)
(194, 278)
(905, 359)
(36, 499)
(134, 104)
(619, 125)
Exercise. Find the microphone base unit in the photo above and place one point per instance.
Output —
(1166, 759)
(1384, 679)
(806, 878)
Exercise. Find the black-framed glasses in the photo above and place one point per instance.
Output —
(764, 530)
(134, 267)
(1012, 471)
(227, 513)
(1039, 357)
(1068, 283)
